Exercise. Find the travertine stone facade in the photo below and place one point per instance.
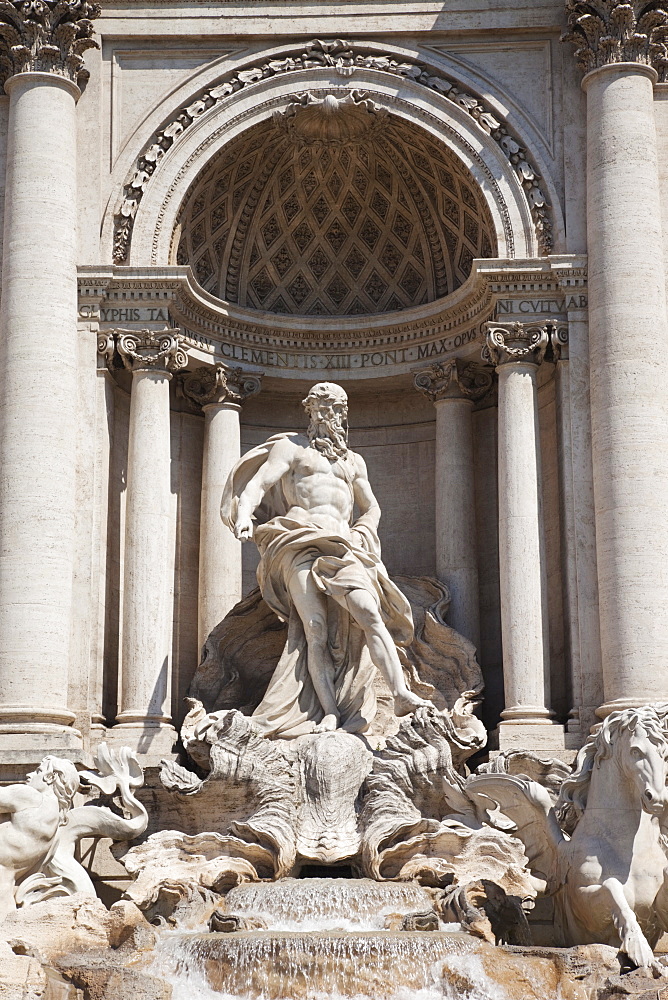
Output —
(255, 195)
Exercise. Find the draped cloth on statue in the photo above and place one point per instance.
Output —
(290, 539)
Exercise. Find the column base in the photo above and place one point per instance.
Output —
(21, 750)
(535, 736)
(528, 715)
(620, 704)
(150, 740)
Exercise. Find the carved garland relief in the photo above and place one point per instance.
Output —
(344, 57)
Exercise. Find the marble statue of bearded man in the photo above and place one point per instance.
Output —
(322, 573)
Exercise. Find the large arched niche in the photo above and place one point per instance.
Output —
(447, 123)
(335, 207)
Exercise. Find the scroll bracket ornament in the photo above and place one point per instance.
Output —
(514, 342)
(142, 350)
(219, 384)
(559, 341)
(46, 36)
(454, 380)
(607, 32)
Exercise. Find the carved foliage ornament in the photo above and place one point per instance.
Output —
(48, 36)
(345, 57)
(453, 379)
(220, 384)
(605, 32)
(515, 342)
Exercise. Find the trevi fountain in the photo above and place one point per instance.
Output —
(328, 829)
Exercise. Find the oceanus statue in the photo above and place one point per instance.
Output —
(40, 829)
(600, 847)
(321, 572)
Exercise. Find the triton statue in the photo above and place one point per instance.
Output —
(322, 574)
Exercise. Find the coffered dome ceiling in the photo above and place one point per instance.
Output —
(333, 211)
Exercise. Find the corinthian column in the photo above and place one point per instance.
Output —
(453, 387)
(517, 351)
(629, 406)
(221, 392)
(149, 564)
(41, 67)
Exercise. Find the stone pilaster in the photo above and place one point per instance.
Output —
(453, 387)
(621, 49)
(41, 46)
(517, 350)
(221, 392)
(145, 690)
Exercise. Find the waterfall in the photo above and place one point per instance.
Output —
(261, 965)
(322, 904)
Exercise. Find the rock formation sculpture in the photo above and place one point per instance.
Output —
(40, 829)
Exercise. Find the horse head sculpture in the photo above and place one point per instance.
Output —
(600, 847)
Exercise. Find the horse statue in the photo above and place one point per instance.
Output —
(600, 848)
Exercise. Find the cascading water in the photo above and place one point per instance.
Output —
(324, 904)
(265, 965)
(325, 941)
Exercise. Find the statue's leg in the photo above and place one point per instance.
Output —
(311, 606)
(660, 907)
(610, 896)
(382, 650)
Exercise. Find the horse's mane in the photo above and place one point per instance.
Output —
(572, 800)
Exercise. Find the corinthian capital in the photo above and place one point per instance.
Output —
(143, 350)
(48, 36)
(607, 31)
(218, 384)
(509, 343)
(453, 380)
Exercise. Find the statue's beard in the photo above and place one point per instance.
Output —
(329, 436)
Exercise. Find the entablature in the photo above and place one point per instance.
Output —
(348, 347)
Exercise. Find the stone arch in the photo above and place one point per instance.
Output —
(335, 208)
(519, 198)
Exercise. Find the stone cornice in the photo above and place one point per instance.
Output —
(513, 343)
(607, 32)
(219, 384)
(454, 380)
(46, 36)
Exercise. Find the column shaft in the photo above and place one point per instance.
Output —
(146, 657)
(590, 693)
(38, 408)
(219, 552)
(220, 391)
(456, 549)
(521, 548)
(629, 406)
